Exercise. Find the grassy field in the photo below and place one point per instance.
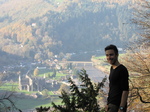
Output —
(9, 86)
(25, 104)
(31, 103)
(58, 75)
(14, 86)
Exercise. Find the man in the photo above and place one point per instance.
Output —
(118, 82)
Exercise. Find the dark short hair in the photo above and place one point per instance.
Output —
(112, 47)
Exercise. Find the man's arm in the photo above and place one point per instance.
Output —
(124, 98)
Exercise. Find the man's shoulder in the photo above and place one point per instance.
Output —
(122, 67)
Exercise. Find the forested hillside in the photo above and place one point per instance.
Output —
(39, 29)
(9, 59)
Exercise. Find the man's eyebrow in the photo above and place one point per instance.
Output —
(110, 54)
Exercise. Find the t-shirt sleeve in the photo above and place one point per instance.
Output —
(124, 80)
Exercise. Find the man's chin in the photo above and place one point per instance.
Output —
(110, 62)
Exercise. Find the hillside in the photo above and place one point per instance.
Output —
(8, 59)
(39, 29)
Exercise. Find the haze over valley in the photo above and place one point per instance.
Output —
(43, 42)
(41, 29)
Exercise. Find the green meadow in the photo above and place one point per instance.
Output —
(24, 104)
(32, 103)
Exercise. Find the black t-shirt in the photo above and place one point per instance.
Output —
(118, 82)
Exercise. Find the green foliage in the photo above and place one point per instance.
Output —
(42, 109)
(81, 98)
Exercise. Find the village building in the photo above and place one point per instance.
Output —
(36, 83)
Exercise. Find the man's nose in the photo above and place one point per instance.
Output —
(108, 56)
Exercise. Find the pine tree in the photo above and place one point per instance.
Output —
(80, 98)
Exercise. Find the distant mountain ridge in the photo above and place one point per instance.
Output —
(39, 29)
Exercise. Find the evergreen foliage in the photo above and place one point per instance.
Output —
(81, 98)
(42, 109)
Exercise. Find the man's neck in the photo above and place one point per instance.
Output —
(115, 65)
